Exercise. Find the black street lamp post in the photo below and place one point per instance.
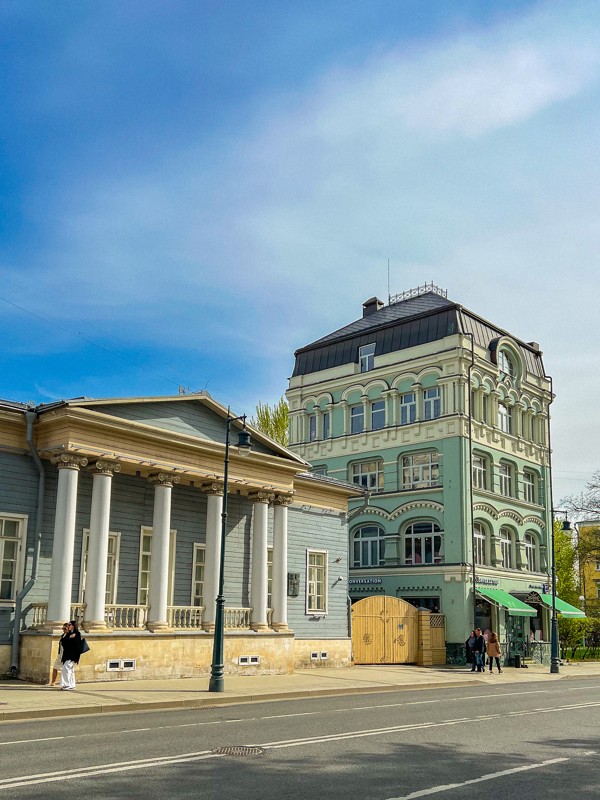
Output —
(217, 683)
(554, 654)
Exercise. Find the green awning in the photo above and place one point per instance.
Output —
(563, 609)
(515, 607)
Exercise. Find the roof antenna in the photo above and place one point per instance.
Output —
(389, 293)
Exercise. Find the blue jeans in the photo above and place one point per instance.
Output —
(478, 660)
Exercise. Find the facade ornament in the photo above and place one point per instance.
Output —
(282, 500)
(511, 515)
(69, 460)
(104, 467)
(261, 497)
(164, 479)
(486, 509)
(215, 487)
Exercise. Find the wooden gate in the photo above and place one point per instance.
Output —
(384, 631)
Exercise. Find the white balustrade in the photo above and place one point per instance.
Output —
(237, 618)
(39, 613)
(185, 617)
(126, 617)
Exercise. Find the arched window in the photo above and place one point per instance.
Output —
(532, 552)
(423, 543)
(368, 546)
(507, 548)
(480, 535)
(506, 365)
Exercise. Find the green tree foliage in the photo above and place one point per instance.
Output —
(273, 421)
(566, 559)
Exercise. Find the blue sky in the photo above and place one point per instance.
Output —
(190, 190)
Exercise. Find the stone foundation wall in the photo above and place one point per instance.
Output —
(338, 653)
(5, 651)
(176, 655)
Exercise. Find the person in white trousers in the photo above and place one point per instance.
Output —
(71, 651)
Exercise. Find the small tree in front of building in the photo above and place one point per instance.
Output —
(273, 420)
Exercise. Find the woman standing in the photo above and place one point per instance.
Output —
(493, 651)
(71, 651)
(58, 660)
(469, 645)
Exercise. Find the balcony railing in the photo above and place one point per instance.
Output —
(135, 617)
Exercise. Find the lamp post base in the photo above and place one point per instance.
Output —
(554, 667)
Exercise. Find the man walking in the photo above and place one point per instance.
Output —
(479, 651)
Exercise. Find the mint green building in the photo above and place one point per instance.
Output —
(444, 418)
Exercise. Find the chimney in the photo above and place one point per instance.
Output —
(371, 305)
(534, 346)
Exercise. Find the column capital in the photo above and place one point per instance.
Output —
(69, 460)
(163, 479)
(282, 500)
(215, 487)
(261, 497)
(104, 467)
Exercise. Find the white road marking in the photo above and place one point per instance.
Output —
(493, 776)
(146, 763)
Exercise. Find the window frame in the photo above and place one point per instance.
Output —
(420, 483)
(85, 549)
(310, 581)
(375, 542)
(20, 539)
(479, 470)
(506, 479)
(357, 412)
(510, 550)
(422, 536)
(480, 535)
(410, 407)
(529, 486)
(147, 530)
(505, 418)
(326, 424)
(378, 473)
(380, 411)
(312, 427)
(366, 357)
(532, 551)
(432, 403)
(506, 364)
(198, 547)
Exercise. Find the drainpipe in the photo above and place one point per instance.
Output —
(30, 418)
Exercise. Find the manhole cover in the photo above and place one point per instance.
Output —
(239, 750)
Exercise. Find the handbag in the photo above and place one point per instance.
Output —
(85, 648)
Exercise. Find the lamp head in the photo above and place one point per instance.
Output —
(566, 526)
(243, 444)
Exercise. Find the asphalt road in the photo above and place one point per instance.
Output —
(539, 742)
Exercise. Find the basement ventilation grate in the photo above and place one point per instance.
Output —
(239, 750)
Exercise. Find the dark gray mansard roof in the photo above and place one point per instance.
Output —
(408, 323)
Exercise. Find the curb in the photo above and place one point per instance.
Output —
(211, 702)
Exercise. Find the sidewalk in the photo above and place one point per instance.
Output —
(30, 701)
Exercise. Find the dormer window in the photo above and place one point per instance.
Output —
(366, 357)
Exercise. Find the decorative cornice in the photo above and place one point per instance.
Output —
(104, 467)
(487, 509)
(374, 510)
(69, 460)
(534, 521)
(514, 515)
(163, 479)
(215, 487)
(430, 504)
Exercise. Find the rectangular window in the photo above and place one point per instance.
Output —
(506, 549)
(504, 418)
(378, 415)
(112, 566)
(479, 472)
(480, 546)
(366, 357)
(316, 582)
(12, 531)
(431, 403)
(357, 419)
(145, 563)
(320, 470)
(484, 408)
(198, 575)
(326, 424)
(312, 427)
(505, 479)
(529, 494)
(368, 474)
(421, 470)
(408, 408)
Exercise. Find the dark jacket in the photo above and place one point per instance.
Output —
(71, 647)
(479, 646)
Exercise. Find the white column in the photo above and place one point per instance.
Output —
(279, 588)
(95, 578)
(212, 552)
(61, 572)
(259, 572)
(158, 594)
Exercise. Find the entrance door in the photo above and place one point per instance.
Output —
(384, 631)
